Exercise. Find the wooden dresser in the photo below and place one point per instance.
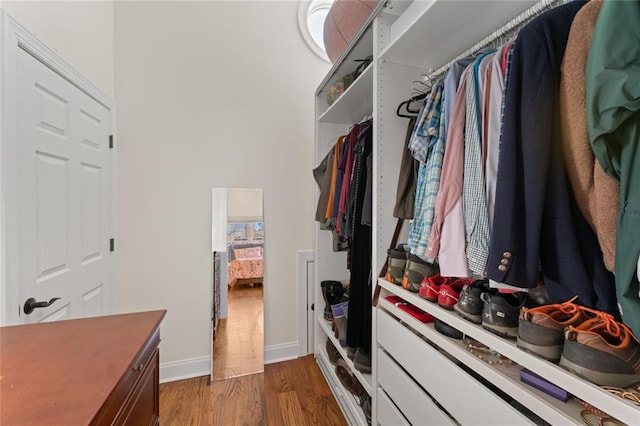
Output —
(98, 371)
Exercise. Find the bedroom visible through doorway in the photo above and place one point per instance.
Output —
(237, 303)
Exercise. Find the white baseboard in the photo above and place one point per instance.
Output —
(280, 352)
(185, 369)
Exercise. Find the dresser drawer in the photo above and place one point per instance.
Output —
(113, 407)
(413, 402)
(388, 413)
(466, 399)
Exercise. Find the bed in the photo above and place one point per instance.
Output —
(245, 264)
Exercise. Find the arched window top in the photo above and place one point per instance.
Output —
(311, 17)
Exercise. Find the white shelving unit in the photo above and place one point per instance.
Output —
(432, 373)
(508, 380)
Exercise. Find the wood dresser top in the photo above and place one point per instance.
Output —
(62, 372)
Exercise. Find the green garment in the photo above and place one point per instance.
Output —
(613, 120)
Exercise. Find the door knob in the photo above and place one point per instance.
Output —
(30, 304)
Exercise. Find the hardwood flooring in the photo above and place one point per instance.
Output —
(238, 347)
(287, 393)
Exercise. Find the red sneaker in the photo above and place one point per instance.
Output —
(430, 286)
(450, 292)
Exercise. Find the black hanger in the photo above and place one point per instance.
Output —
(406, 104)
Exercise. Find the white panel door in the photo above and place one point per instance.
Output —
(63, 195)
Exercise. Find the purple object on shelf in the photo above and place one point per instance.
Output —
(544, 385)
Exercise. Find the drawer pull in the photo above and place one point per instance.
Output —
(137, 367)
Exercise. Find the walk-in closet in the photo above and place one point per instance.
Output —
(430, 365)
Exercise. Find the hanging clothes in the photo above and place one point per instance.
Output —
(407, 179)
(597, 194)
(474, 200)
(613, 118)
(428, 145)
(447, 237)
(537, 228)
(322, 176)
(359, 310)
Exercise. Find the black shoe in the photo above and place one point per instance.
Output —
(470, 304)
(444, 328)
(500, 312)
(332, 292)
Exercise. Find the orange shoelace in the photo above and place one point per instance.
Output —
(614, 328)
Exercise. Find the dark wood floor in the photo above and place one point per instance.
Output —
(287, 393)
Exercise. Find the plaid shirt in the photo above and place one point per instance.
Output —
(427, 144)
(474, 197)
(428, 124)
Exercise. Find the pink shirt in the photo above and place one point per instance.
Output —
(447, 239)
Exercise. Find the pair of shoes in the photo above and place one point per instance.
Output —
(470, 302)
(541, 329)
(416, 271)
(500, 312)
(449, 293)
(430, 286)
(362, 361)
(396, 264)
(332, 292)
(603, 351)
(348, 380)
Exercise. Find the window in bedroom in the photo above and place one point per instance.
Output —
(311, 17)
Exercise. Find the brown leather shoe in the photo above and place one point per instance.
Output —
(541, 329)
(602, 351)
(332, 353)
(349, 381)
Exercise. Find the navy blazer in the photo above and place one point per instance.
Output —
(537, 229)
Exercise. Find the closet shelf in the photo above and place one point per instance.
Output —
(455, 24)
(623, 410)
(348, 401)
(506, 378)
(364, 379)
(354, 104)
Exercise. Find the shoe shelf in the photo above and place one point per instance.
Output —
(507, 379)
(348, 401)
(364, 379)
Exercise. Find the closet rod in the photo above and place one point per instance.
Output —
(510, 26)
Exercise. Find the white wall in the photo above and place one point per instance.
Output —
(210, 94)
(81, 32)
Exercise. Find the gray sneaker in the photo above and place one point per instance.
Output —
(602, 351)
(470, 302)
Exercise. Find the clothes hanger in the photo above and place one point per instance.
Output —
(408, 112)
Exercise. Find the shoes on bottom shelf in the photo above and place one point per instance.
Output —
(332, 353)
(365, 404)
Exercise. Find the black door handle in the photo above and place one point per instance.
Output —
(30, 304)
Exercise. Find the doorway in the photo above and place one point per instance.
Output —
(237, 346)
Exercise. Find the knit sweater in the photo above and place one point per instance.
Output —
(596, 193)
